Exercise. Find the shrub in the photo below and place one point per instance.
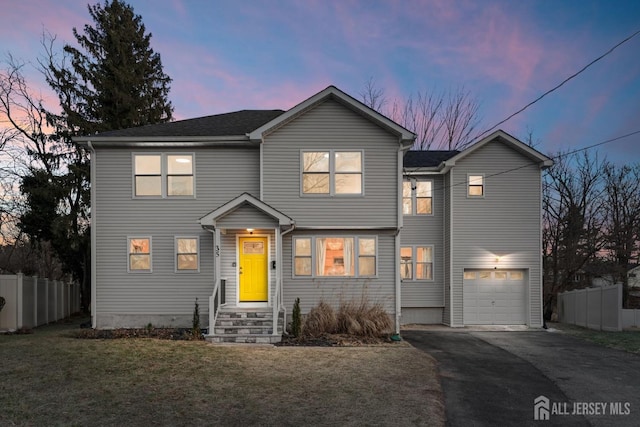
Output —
(363, 319)
(296, 319)
(352, 318)
(196, 332)
(2, 303)
(320, 320)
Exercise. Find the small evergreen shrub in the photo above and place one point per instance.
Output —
(196, 331)
(296, 319)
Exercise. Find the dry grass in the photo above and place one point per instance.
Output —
(358, 318)
(320, 320)
(50, 378)
(364, 319)
(628, 340)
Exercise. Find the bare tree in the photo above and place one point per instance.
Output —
(373, 96)
(573, 220)
(27, 145)
(622, 210)
(441, 120)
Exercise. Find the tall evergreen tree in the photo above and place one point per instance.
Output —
(112, 80)
(116, 81)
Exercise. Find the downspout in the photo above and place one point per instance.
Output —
(216, 278)
(92, 179)
(398, 295)
(279, 262)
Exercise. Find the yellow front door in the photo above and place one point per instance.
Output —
(253, 269)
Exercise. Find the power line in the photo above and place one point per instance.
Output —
(556, 87)
(556, 157)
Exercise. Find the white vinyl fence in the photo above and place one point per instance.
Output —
(597, 308)
(34, 301)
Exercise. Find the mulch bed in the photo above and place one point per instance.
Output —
(334, 340)
(158, 333)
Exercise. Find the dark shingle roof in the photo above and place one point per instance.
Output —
(425, 159)
(228, 124)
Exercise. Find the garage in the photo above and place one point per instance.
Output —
(494, 297)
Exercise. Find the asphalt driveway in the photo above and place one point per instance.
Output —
(492, 378)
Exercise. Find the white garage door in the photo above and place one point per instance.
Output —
(494, 297)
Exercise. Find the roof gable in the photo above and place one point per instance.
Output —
(210, 219)
(406, 137)
(506, 139)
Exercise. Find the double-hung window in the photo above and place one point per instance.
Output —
(329, 256)
(475, 185)
(332, 172)
(163, 175)
(187, 258)
(416, 262)
(417, 197)
(139, 250)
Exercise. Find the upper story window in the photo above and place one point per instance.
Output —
(163, 175)
(475, 187)
(332, 172)
(417, 197)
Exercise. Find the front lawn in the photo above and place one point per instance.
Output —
(628, 340)
(51, 378)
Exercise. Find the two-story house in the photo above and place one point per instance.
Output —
(248, 211)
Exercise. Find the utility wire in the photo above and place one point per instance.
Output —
(556, 157)
(556, 87)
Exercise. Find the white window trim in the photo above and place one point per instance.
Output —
(484, 186)
(414, 263)
(150, 270)
(332, 172)
(175, 254)
(164, 173)
(414, 196)
(356, 256)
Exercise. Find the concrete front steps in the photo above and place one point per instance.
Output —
(246, 325)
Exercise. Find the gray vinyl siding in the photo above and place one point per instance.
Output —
(117, 215)
(311, 290)
(505, 222)
(246, 216)
(332, 126)
(426, 230)
(229, 261)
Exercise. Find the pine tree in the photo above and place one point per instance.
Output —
(116, 81)
(112, 80)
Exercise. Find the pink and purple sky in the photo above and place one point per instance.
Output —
(231, 55)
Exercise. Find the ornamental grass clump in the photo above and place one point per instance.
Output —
(321, 320)
(357, 318)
